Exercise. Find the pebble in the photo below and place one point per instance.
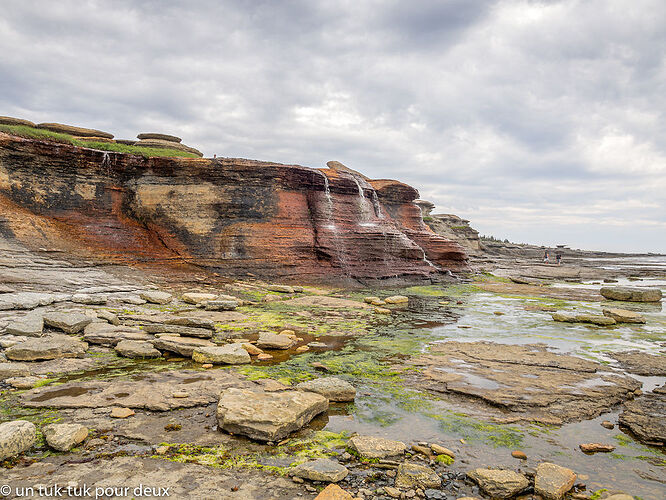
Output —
(121, 412)
(206, 366)
(519, 455)
(607, 424)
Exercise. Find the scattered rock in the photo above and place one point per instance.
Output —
(156, 297)
(30, 325)
(110, 335)
(137, 349)
(375, 447)
(64, 437)
(72, 322)
(396, 299)
(372, 300)
(646, 417)
(193, 322)
(267, 416)
(416, 476)
(197, 298)
(553, 481)
(596, 448)
(322, 469)
(269, 340)
(181, 345)
(252, 349)
(392, 492)
(16, 437)
(382, 310)
(121, 412)
(264, 356)
(624, 316)
(47, 347)
(520, 455)
(629, 294)
(281, 288)
(23, 382)
(607, 424)
(499, 483)
(332, 388)
(229, 354)
(108, 316)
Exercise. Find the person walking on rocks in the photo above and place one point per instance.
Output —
(546, 259)
(558, 258)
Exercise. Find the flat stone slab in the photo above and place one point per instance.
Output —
(110, 335)
(376, 447)
(156, 297)
(229, 354)
(332, 388)
(416, 476)
(624, 316)
(322, 469)
(269, 340)
(186, 331)
(642, 363)
(197, 298)
(29, 300)
(220, 305)
(646, 417)
(47, 347)
(594, 319)
(327, 302)
(63, 437)
(137, 349)
(526, 380)
(184, 346)
(16, 437)
(151, 391)
(267, 416)
(68, 322)
(30, 325)
(631, 294)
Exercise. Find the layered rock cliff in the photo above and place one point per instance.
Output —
(233, 215)
(451, 227)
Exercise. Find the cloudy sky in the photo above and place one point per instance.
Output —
(540, 121)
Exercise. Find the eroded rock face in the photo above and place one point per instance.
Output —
(527, 380)
(646, 417)
(267, 416)
(235, 215)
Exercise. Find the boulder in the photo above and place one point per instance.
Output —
(64, 437)
(631, 294)
(499, 483)
(31, 325)
(553, 481)
(197, 298)
(16, 437)
(68, 322)
(416, 476)
(396, 299)
(8, 120)
(181, 345)
(267, 416)
(137, 349)
(624, 316)
(322, 469)
(375, 447)
(332, 388)
(47, 347)
(161, 137)
(220, 305)
(333, 492)
(71, 130)
(156, 297)
(229, 354)
(269, 340)
(185, 331)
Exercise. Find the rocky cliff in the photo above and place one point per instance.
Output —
(233, 215)
(451, 227)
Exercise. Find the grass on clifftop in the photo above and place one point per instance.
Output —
(47, 135)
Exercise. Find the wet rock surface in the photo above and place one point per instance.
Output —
(332, 388)
(528, 381)
(631, 294)
(642, 363)
(47, 347)
(646, 417)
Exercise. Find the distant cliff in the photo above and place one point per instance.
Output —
(451, 227)
(232, 215)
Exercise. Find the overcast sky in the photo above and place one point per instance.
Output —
(540, 121)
